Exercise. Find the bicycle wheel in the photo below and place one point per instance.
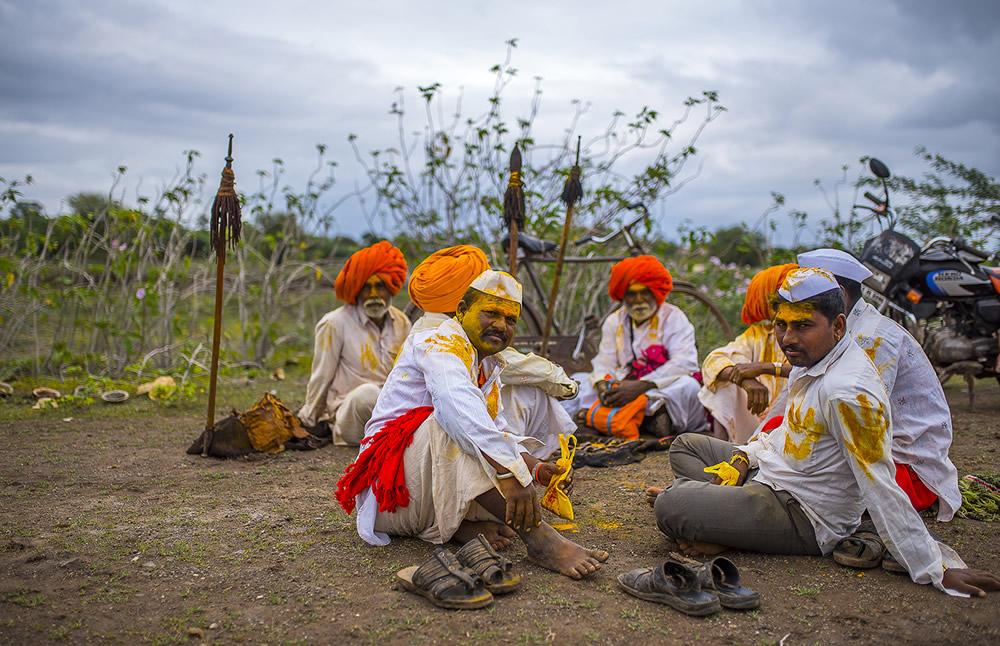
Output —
(711, 329)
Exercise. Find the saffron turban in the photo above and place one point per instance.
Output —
(381, 259)
(441, 280)
(755, 306)
(642, 270)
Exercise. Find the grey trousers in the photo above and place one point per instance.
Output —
(753, 517)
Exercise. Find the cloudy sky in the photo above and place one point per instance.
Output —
(809, 86)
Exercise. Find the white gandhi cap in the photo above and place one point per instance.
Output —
(499, 284)
(835, 261)
(804, 283)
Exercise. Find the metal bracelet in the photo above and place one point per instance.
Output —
(505, 476)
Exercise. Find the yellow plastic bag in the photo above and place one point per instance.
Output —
(555, 499)
(729, 474)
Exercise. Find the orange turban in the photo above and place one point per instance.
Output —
(441, 280)
(644, 270)
(381, 259)
(766, 282)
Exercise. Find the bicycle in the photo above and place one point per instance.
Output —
(574, 352)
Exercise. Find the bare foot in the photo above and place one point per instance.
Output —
(695, 548)
(497, 535)
(651, 495)
(547, 548)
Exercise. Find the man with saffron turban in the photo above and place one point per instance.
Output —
(356, 344)
(531, 384)
(438, 462)
(743, 378)
(647, 348)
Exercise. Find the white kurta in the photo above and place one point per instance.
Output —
(531, 386)
(728, 402)
(921, 419)
(439, 367)
(622, 342)
(350, 350)
(832, 453)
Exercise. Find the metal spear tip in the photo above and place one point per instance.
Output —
(515, 160)
(229, 155)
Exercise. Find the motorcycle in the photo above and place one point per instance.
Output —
(942, 292)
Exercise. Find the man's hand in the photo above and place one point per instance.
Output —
(548, 471)
(743, 371)
(523, 511)
(626, 392)
(970, 582)
(740, 466)
(758, 396)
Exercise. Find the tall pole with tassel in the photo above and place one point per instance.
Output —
(572, 191)
(513, 206)
(225, 232)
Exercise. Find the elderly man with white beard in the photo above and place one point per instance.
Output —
(356, 345)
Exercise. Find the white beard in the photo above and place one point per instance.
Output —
(375, 308)
(639, 312)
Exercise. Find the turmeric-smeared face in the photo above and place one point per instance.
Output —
(375, 297)
(640, 304)
(489, 322)
(804, 334)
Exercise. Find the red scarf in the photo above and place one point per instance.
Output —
(380, 465)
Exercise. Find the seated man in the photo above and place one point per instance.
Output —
(648, 347)
(802, 488)
(531, 384)
(743, 378)
(921, 418)
(355, 345)
(438, 462)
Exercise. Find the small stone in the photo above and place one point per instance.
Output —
(149, 564)
(196, 632)
(213, 626)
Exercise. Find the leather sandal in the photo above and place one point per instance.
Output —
(479, 556)
(673, 584)
(863, 549)
(442, 579)
(721, 577)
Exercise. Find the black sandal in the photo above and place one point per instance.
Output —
(721, 577)
(479, 556)
(673, 584)
(442, 579)
(864, 549)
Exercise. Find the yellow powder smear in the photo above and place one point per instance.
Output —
(795, 312)
(325, 342)
(868, 433)
(453, 344)
(871, 351)
(368, 359)
(493, 400)
(608, 525)
(800, 425)
(881, 367)
(564, 526)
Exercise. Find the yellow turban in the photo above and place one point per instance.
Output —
(439, 282)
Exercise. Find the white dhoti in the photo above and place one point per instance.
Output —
(680, 397)
(728, 405)
(349, 422)
(443, 482)
(530, 411)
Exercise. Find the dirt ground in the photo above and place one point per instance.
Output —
(112, 534)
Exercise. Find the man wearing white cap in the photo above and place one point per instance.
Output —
(465, 473)
(810, 478)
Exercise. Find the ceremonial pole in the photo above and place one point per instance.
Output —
(513, 206)
(572, 191)
(225, 231)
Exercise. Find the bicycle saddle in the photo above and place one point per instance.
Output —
(529, 244)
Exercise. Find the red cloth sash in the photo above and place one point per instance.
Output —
(380, 465)
(920, 496)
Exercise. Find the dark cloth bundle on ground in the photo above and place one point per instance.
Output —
(605, 452)
(268, 427)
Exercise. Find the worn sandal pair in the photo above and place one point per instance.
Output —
(864, 549)
(696, 591)
(463, 581)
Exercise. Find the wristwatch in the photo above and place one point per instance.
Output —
(777, 368)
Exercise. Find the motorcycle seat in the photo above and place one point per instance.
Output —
(530, 244)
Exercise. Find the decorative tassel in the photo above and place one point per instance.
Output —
(573, 190)
(226, 223)
(513, 199)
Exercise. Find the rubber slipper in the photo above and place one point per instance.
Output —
(479, 556)
(673, 584)
(721, 577)
(863, 549)
(442, 579)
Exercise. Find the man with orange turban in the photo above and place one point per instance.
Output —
(743, 378)
(647, 348)
(531, 384)
(356, 345)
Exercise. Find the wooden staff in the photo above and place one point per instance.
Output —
(225, 231)
(513, 206)
(572, 191)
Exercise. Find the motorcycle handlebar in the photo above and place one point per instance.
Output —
(962, 246)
